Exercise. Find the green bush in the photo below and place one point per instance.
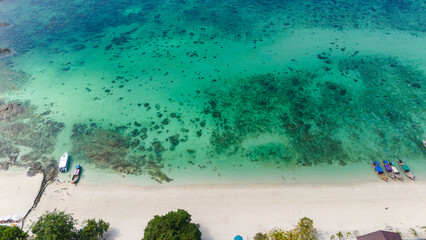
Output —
(172, 226)
(61, 226)
(304, 230)
(9, 233)
(93, 230)
(54, 226)
(260, 236)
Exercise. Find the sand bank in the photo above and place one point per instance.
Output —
(17, 191)
(226, 210)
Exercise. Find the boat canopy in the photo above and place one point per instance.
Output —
(387, 167)
(63, 163)
(386, 161)
(378, 169)
(376, 162)
(405, 167)
(394, 169)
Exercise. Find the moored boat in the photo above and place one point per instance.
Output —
(396, 172)
(63, 163)
(388, 169)
(406, 169)
(76, 175)
(379, 170)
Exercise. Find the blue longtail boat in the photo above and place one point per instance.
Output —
(379, 170)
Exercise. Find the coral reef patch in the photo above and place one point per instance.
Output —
(321, 119)
(119, 151)
(19, 128)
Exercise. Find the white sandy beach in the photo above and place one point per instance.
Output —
(224, 211)
(17, 191)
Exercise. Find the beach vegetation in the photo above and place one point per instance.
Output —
(54, 225)
(7, 233)
(424, 228)
(93, 229)
(339, 234)
(260, 236)
(173, 225)
(413, 231)
(303, 230)
(61, 226)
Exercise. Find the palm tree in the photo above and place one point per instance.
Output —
(348, 234)
(413, 231)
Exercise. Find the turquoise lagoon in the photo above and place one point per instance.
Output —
(207, 92)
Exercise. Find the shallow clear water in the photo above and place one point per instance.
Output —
(216, 91)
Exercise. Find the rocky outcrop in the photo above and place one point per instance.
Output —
(9, 111)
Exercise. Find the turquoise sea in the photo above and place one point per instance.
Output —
(200, 91)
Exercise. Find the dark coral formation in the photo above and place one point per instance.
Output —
(319, 117)
(12, 111)
(19, 128)
(104, 148)
(119, 151)
(4, 51)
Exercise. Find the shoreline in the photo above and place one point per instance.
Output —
(225, 210)
(18, 191)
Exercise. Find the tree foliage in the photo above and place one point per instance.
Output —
(8, 233)
(93, 229)
(172, 226)
(61, 226)
(54, 226)
(260, 236)
(304, 230)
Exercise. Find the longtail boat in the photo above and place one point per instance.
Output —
(388, 169)
(379, 170)
(406, 169)
(76, 175)
(396, 172)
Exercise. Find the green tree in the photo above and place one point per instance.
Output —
(305, 229)
(260, 236)
(9, 233)
(93, 229)
(172, 226)
(277, 234)
(54, 226)
(413, 231)
(339, 235)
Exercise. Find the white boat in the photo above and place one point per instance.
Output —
(63, 163)
(396, 172)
